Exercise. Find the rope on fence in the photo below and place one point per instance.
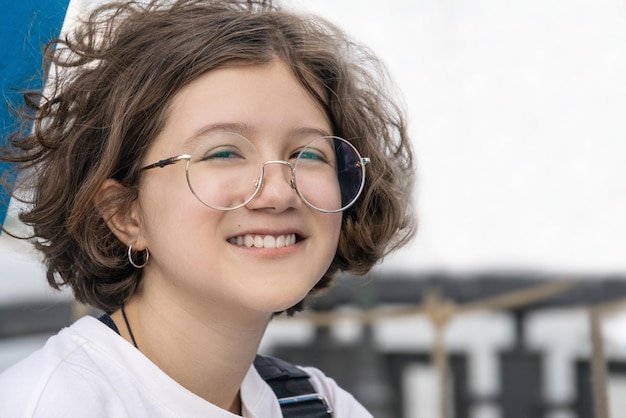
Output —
(440, 311)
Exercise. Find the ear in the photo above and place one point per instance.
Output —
(120, 215)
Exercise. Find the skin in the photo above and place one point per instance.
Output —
(205, 302)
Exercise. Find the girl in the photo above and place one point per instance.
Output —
(195, 168)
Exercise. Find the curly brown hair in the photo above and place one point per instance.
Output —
(109, 85)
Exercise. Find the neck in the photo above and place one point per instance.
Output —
(208, 353)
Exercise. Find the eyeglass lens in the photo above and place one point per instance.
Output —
(225, 172)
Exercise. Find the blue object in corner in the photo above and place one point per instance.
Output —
(25, 27)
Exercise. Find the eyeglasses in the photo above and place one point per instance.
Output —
(328, 173)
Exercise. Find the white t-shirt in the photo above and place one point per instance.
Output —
(87, 370)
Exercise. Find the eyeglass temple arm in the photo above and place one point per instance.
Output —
(167, 161)
(362, 162)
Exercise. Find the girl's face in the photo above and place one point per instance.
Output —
(199, 256)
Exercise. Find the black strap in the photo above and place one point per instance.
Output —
(295, 393)
(106, 320)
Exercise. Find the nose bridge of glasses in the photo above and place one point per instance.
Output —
(282, 163)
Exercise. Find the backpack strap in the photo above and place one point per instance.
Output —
(295, 393)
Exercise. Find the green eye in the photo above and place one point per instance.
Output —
(218, 155)
(311, 155)
(222, 154)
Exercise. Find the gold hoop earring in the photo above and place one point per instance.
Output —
(130, 258)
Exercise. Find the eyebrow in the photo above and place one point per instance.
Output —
(236, 127)
(305, 131)
(248, 131)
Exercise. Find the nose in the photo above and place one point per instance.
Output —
(277, 191)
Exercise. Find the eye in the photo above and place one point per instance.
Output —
(220, 153)
(319, 151)
(311, 154)
(223, 148)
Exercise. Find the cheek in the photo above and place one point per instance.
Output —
(337, 223)
(320, 188)
(168, 209)
(332, 232)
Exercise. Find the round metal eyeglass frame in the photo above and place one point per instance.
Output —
(361, 163)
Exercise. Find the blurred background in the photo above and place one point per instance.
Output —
(511, 300)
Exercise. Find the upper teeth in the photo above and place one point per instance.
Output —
(264, 241)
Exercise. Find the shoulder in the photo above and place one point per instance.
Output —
(343, 403)
(52, 381)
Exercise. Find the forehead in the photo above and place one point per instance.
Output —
(259, 101)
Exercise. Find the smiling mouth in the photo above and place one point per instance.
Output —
(263, 241)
